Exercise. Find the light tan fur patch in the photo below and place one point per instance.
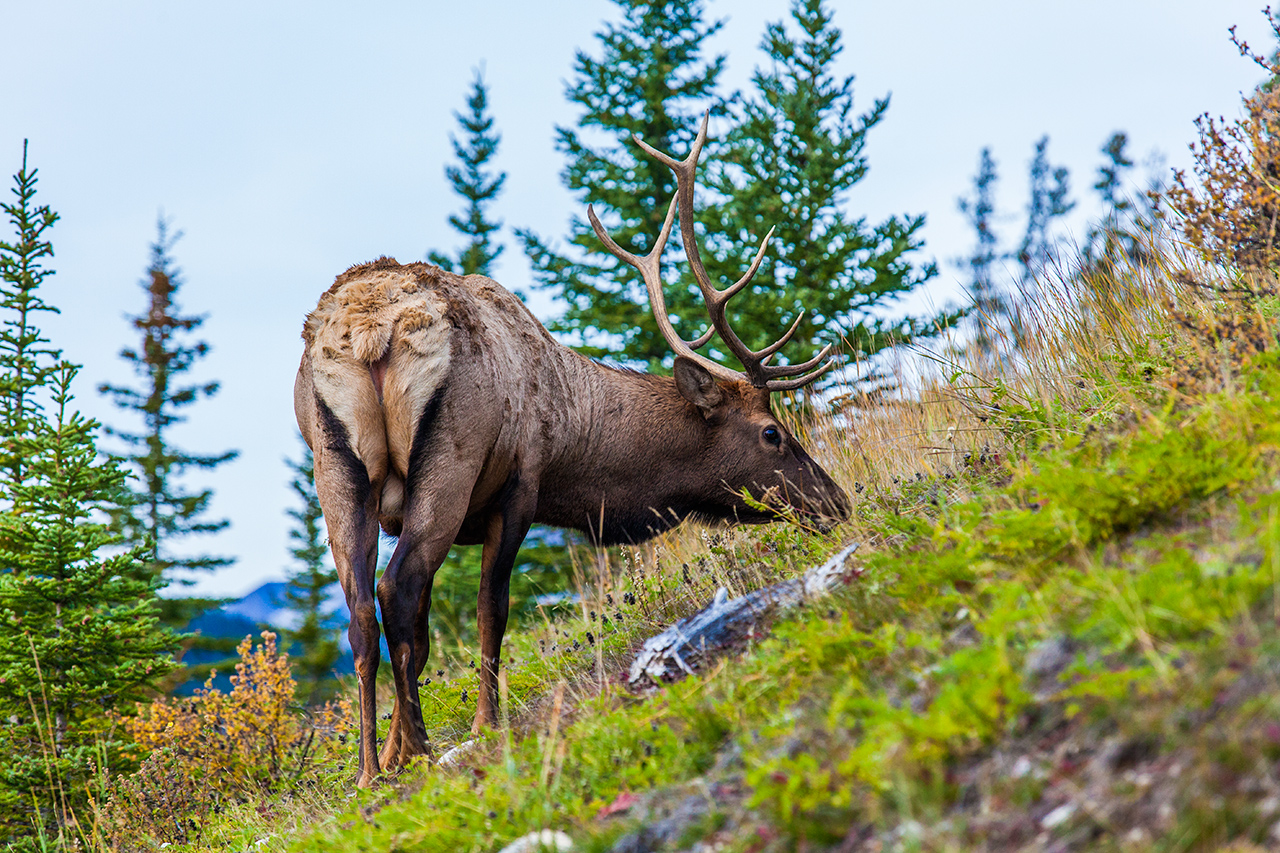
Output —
(379, 313)
(418, 363)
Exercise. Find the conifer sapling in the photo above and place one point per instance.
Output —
(79, 633)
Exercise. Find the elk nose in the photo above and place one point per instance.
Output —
(839, 503)
(835, 509)
(832, 504)
(827, 508)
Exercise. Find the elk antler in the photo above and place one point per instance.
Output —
(757, 371)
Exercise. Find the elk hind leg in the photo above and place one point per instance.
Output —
(421, 651)
(393, 747)
(350, 503)
(432, 520)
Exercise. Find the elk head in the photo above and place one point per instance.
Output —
(758, 453)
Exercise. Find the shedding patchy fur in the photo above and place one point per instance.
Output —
(384, 314)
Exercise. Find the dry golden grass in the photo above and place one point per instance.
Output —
(1088, 345)
(1082, 337)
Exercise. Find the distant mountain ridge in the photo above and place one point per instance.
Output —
(264, 608)
(269, 605)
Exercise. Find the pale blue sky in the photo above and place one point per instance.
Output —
(291, 140)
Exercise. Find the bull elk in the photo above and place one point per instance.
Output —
(437, 407)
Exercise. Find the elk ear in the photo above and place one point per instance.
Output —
(697, 386)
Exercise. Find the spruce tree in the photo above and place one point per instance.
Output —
(1124, 231)
(1048, 202)
(795, 152)
(991, 303)
(26, 361)
(159, 510)
(478, 186)
(998, 301)
(79, 634)
(316, 633)
(649, 79)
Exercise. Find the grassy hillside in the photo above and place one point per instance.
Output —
(1061, 632)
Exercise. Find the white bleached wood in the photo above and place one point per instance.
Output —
(663, 657)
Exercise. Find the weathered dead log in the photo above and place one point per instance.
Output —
(725, 622)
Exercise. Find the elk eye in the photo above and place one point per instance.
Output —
(772, 436)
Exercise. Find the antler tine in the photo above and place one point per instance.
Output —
(757, 372)
(793, 369)
(703, 339)
(686, 172)
(666, 159)
(794, 384)
(650, 270)
(751, 270)
(764, 354)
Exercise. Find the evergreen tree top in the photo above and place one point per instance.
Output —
(653, 57)
(27, 363)
(161, 510)
(22, 259)
(1110, 184)
(476, 184)
(1045, 204)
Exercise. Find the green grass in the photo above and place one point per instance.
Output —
(1148, 546)
(1063, 628)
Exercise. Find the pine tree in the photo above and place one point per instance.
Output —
(794, 154)
(478, 186)
(650, 79)
(79, 634)
(308, 592)
(991, 303)
(160, 511)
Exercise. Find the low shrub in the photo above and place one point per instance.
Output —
(215, 749)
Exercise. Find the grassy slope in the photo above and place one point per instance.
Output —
(1064, 632)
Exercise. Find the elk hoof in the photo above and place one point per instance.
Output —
(402, 746)
(483, 721)
(391, 748)
(409, 749)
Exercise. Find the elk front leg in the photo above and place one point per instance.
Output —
(506, 531)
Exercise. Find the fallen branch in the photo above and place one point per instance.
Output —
(724, 621)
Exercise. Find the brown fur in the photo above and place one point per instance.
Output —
(437, 405)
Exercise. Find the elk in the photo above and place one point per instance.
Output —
(438, 408)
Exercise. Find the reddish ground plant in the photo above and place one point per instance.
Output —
(1231, 209)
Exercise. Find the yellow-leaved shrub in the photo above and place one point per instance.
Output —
(215, 748)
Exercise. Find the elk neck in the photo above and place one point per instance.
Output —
(632, 461)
